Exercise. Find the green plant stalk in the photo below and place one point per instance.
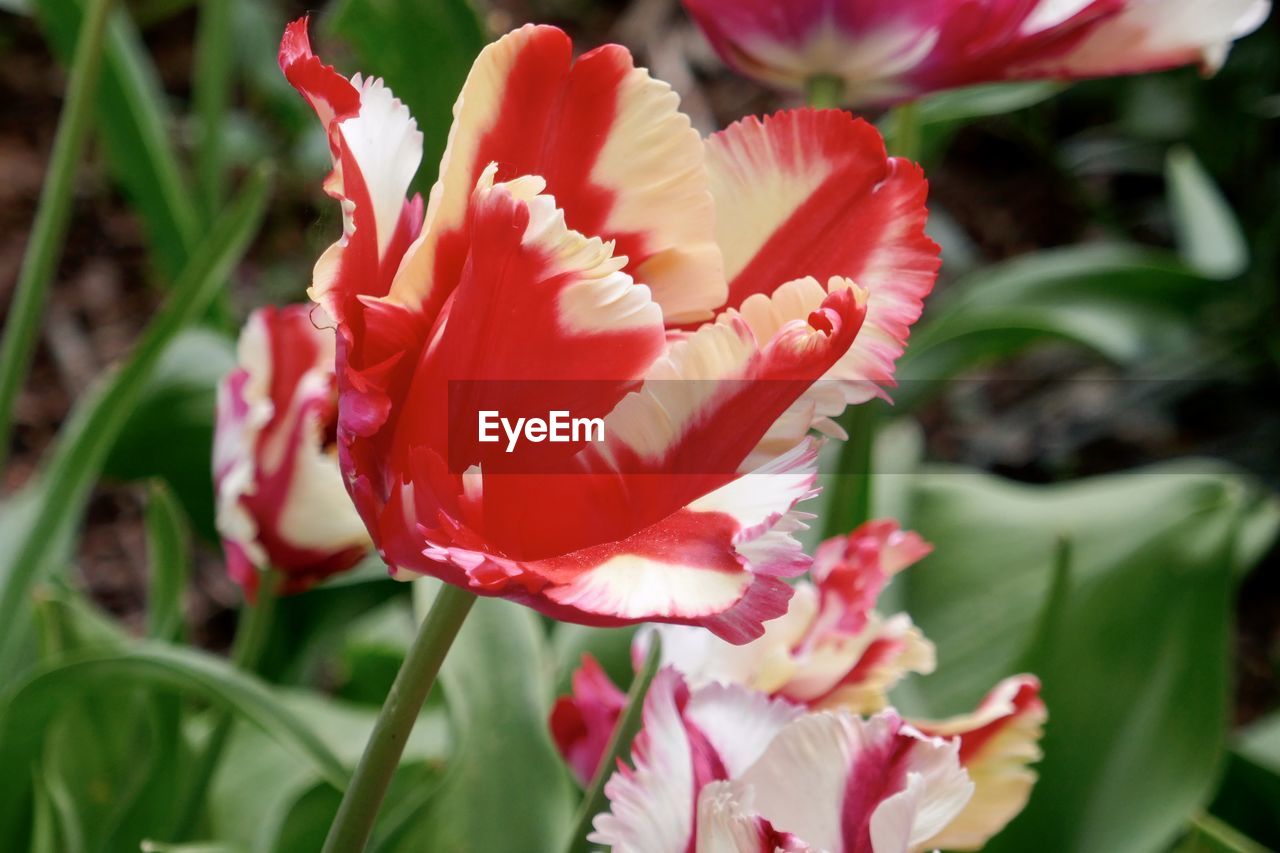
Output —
(905, 138)
(852, 502)
(212, 86)
(49, 230)
(81, 451)
(594, 801)
(360, 803)
(246, 653)
(824, 91)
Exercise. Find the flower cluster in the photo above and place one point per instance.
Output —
(729, 731)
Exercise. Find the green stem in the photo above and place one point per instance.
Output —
(251, 638)
(905, 135)
(593, 801)
(824, 91)
(852, 504)
(359, 809)
(50, 227)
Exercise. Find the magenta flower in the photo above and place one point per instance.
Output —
(885, 52)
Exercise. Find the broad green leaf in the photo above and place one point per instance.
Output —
(497, 687)
(1209, 236)
(169, 434)
(260, 783)
(1136, 670)
(138, 128)
(391, 38)
(85, 442)
(1130, 305)
(29, 705)
(169, 563)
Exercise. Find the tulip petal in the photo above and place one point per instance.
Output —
(687, 742)
(842, 783)
(714, 563)
(582, 723)
(1151, 35)
(997, 743)
(809, 193)
(651, 806)
(537, 302)
(376, 149)
(615, 151)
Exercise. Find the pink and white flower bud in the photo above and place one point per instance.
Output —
(884, 51)
(281, 503)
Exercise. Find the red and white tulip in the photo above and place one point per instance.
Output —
(831, 648)
(723, 768)
(885, 51)
(280, 499)
(692, 293)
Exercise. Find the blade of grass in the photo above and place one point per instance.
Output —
(75, 463)
(49, 230)
(212, 92)
(138, 130)
(168, 562)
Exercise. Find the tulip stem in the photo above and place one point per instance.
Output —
(246, 652)
(904, 131)
(594, 801)
(823, 91)
(359, 809)
(852, 498)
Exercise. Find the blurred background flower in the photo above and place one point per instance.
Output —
(282, 505)
(886, 52)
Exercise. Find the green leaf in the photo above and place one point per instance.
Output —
(138, 128)
(962, 105)
(497, 687)
(84, 443)
(1210, 835)
(49, 229)
(1130, 305)
(169, 563)
(391, 37)
(29, 705)
(1135, 663)
(259, 783)
(169, 433)
(1209, 236)
(1251, 784)
(611, 647)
